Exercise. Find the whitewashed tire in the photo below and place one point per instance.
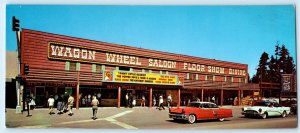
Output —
(191, 119)
(283, 114)
(221, 119)
(264, 116)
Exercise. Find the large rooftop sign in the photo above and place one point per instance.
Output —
(142, 78)
(69, 52)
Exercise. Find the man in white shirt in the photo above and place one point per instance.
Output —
(169, 100)
(51, 104)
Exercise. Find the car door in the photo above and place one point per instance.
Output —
(205, 111)
(216, 112)
(278, 109)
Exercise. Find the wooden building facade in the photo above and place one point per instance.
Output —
(59, 64)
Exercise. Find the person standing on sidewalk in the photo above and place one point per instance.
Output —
(51, 104)
(70, 104)
(127, 98)
(94, 104)
(143, 101)
(154, 100)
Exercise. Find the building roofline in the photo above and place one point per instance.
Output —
(182, 55)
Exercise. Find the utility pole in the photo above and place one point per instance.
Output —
(15, 27)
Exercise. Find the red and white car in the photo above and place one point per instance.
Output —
(199, 111)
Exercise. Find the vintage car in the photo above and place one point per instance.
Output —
(265, 109)
(199, 111)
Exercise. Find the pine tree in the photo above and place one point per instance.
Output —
(273, 74)
(261, 72)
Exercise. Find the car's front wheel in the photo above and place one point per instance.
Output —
(264, 116)
(191, 119)
(221, 119)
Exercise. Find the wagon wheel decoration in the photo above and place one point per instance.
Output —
(108, 76)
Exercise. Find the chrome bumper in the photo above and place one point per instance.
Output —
(251, 113)
(178, 116)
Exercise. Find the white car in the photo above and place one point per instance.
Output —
(265, 109)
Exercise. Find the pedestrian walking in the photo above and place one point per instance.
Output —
(60, 105)
(70, 105)
(94, 103)
(143, 101)
(55, 100)
(28, 100)
(65, 102)
(51, 104)
(161, 101)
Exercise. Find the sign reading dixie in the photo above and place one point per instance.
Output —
(68, 52)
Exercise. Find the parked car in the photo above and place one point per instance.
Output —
(199, 111)
(290, 102)
(265, 109)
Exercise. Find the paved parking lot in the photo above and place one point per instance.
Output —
(137, 118)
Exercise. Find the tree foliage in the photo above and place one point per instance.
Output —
(270, 69)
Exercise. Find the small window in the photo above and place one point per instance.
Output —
(72, 66)
(210, 77)
(98, 68)
(228, 79)
(194, 76)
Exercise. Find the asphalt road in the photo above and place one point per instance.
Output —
(138, 118)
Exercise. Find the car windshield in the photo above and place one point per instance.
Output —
(261, 104)
(194, 105)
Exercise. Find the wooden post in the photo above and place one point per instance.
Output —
(119, 97)
(221, 102)
(239, 97)
(77, 91)
(202, 94)
(150, 98)
(178, 103)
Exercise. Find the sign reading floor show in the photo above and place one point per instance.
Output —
(144, 78)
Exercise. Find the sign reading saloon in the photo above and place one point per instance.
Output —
(144, 78)
(81, 54)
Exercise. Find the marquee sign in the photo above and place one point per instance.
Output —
(68, 52)
(142, 78)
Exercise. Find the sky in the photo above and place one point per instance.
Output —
(229, 33)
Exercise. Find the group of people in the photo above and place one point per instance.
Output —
(87, 99)
(131, 100)
(160, 104)
(64, 103)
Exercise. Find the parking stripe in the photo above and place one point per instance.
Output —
(124, 125)
(110, 119)
(120, 114)
(81, 121)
